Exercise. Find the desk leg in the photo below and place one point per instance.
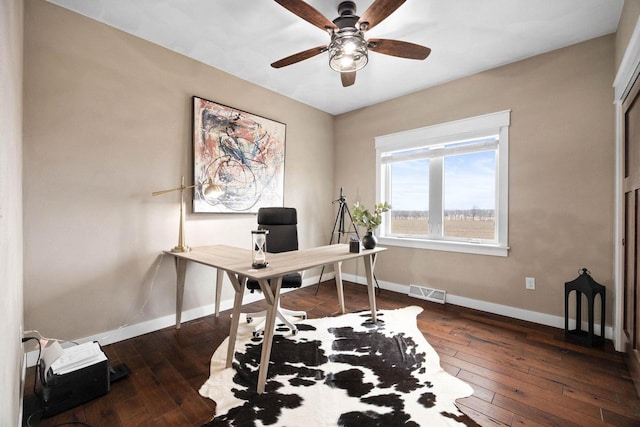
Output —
(238, 283)
(272, 300)
(338, 273)
(369, 263)
(219, 278)
(181, 272)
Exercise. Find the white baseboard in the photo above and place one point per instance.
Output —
(131, 331)
(489, 307)
(23, 379)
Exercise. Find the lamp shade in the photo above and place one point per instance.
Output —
(211, 191)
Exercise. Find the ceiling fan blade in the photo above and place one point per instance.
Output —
(300, 56)
(378, 11)
(306, 12)
(399, 48)
(348, 79)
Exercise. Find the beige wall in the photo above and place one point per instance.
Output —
(628, 21)
(11, 354)
(561, 170)
(108, 121)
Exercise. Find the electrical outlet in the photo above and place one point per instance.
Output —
(530, 283)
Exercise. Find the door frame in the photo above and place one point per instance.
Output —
(627, 74)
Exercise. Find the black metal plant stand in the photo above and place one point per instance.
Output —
(340, 231)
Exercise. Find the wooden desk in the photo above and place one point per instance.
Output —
(236, 262)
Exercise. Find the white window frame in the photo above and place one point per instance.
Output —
(471, 128)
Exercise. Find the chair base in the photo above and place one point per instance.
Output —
(281, 314)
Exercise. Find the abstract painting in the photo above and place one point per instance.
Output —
(241, 153)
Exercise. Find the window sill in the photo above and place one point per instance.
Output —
(437, 245)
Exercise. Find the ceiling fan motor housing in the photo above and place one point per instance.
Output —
(348, 17)
(347, 8)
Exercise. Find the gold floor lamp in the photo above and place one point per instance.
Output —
(211, 191)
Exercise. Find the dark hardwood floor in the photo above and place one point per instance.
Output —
(522, 374)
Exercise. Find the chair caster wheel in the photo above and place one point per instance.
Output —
(294, 332)
(257, 334)
(249, 319)
(304, 317)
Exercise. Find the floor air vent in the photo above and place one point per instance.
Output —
(429, 294)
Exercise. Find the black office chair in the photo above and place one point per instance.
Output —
(282, 224)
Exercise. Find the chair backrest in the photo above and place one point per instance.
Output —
(282, 224)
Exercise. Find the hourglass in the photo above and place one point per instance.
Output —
(259, 238)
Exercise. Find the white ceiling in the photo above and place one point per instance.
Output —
(243, 37)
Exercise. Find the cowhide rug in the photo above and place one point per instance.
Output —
(338, 371)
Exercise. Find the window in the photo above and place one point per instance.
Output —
(447, 185)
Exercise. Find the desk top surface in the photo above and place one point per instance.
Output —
(238, 260)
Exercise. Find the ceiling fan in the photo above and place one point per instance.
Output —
(348, 49)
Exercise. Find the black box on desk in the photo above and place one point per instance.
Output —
(62, 392)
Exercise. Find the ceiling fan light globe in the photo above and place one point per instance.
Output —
(347, 62)
(348, 51)
(349, 47)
